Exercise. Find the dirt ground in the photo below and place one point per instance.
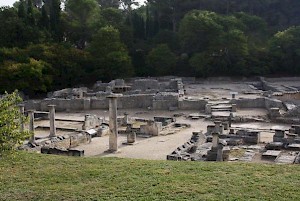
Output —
(154, 148)
(157, 148)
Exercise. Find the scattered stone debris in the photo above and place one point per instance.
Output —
(274, 100)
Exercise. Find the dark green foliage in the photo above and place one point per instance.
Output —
(110, 39)
(112, 59)
(285, 51)
(161, 61)
(55, 20)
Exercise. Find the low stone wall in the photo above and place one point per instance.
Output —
(65, 104)
(33, 105)
(266, 103)
(161, 101)
(249, 103)
(135, 101)
(186, 104)
(282, 79)
(99, 103)
(273, 103)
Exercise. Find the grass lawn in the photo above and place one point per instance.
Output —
(47, 177)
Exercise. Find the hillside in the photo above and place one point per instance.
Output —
(46, 177)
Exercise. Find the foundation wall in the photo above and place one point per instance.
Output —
(192, 104)
(270, 103)
(99, 103)
(135, 101)
(250, 103)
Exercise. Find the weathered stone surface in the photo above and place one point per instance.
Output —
(270, 154)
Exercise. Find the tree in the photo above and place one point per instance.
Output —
(83, 20)
(29, 77)
(10, 116)
(55, 20)
(285, 51)
(30, 14)
(198, 29)
(109, 3)
(111, 57)
(161, 60)
(201, 64)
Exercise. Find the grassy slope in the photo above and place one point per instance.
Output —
(46, 177)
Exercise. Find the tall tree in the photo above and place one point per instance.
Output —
(161, 60)
(30, 15)
(109, 3)
(55, 20)
(82, 17)
(111, 56)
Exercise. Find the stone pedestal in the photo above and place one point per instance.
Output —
(208, 108)
(86, 124)
(52, 120)
(233, 108)
(233, 94)
(274, 112)
(220, 152)
(31, 125)
(296, 128)
(218, 127)
(125, 119)
(131, 137)
(113, 126)
(210, 129)
(225, 125)
(212, 154)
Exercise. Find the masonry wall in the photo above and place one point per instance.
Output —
(99, 103)
(249, 103)
(135, 101)
(186, 104)
(270, 103)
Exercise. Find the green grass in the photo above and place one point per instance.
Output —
(46, 177)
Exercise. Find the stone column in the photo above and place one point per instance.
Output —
(215, 140)
(113, 126)
(31, 125)
(22, 110)
(86, 124)
(233, 94)
(220, 152)
(230, 118)
(218, 127)
(126, 119)
(225, 125)
(233, 107)
(52, 120)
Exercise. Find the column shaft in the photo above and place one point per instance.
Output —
(52, 120)
(113, 137)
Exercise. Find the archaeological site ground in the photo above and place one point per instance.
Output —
(176, 127)
(171, 118)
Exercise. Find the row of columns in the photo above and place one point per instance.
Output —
(113, 137)
(31, 121)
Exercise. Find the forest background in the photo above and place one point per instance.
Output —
(52, 44)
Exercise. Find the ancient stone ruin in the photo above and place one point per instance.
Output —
(243, 120)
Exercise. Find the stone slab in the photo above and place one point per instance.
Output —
(271, 154)
(285, 159)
